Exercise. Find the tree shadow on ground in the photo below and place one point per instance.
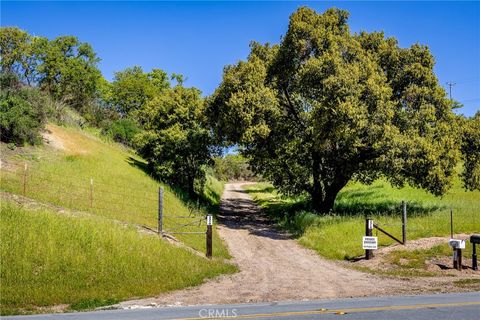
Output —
(243, 214)
(297, 215)
(139, 164)
(372, 201)
(198, 205)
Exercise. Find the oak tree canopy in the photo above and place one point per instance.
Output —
(326, 106)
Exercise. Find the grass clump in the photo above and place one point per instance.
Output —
(338, 235)
(213, 190)
(467, 283)
(90, 304)
(417, 259)
(49, 258)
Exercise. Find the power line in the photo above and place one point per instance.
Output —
(468, 80)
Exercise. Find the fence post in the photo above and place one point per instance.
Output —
(457, 259)
(451, 223)
(404, 222)
(91, 192)
(160, 211)
(25, 166)
(474, 256)
(368, 233)
(209, 235)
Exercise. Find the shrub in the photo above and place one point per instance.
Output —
(22, 115)
(123, 130)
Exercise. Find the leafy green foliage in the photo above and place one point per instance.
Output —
(68, 71)
(123, 131)
(64, 67)
(232, 167)
(23, 114)
(326, 106)
(132, 88)
(176, 141)
(18, 51)
(471, 153)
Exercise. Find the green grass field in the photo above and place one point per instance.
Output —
(122, 189)
(49, 258)
(339, 235)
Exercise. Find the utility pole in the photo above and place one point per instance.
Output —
(450, 85)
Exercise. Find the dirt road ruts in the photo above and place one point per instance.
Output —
(274, 267)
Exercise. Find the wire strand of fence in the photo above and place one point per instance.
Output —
(92, 196)
(51, 176)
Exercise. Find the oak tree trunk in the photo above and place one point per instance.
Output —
(323, 199)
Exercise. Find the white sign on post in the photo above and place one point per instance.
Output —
(370, 224)
(209, 220)
(370, 243)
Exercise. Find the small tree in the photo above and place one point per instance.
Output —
(471, 153)
(64, 67)
(176, 141)
(325, 107)
(67, 69)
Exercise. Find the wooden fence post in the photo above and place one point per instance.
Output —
(368, 233)
(451, 223)
(91, 192)
(209, 235)
(160, 211)
(25, 167)
(404, 222)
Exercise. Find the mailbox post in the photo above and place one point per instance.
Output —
(474, 240)
(457, 246)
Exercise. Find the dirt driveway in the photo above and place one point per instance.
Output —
(274, 267)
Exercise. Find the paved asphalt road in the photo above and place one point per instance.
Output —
(456, 306)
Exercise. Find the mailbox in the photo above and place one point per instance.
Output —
(457, 244)
(475, 239)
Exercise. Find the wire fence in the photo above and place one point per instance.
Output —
(463, 218)
(139, 204)
(136, 205)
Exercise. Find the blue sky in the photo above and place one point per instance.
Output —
(198, 39)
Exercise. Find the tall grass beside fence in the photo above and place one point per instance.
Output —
(122, 188)
(49, 258)
(339, 234)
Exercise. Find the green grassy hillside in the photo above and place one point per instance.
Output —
(61, 173)
(97, 256)
(339, 235)
(48, 258)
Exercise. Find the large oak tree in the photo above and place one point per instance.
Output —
(326, 106)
